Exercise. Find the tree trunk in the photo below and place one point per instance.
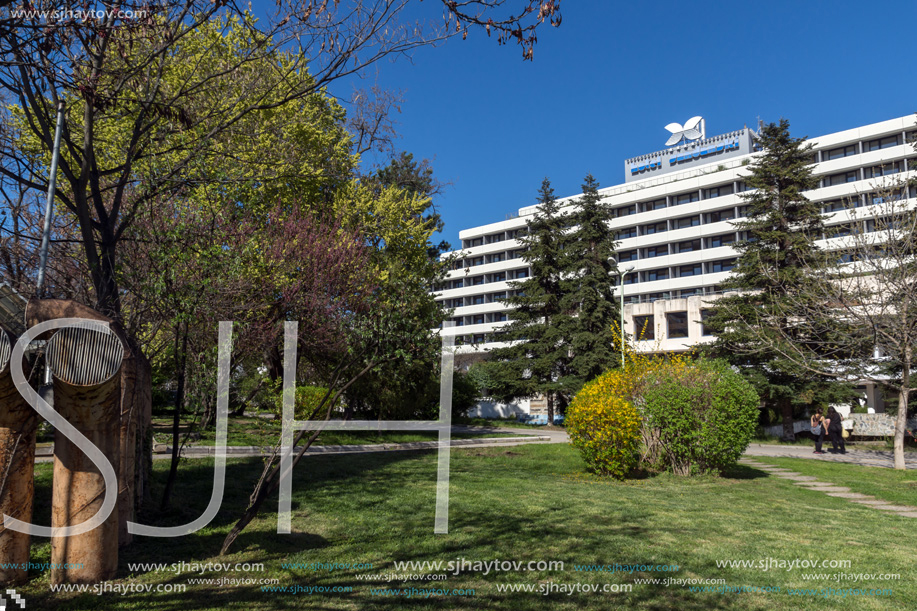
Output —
(901, 421)
(181, 358)
(786, 413)
(550, 408)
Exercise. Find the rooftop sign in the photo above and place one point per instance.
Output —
(691, 148)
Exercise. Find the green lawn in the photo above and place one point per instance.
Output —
(897, 487)
(247, 431)
(529, 503)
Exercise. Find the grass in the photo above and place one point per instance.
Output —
(896, 487)
(246, 431)
(527, 503)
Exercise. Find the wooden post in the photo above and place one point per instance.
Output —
(86, 366)
(18, 425)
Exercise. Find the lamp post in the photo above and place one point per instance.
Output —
(621, 275)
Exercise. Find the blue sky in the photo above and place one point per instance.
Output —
(602, 87)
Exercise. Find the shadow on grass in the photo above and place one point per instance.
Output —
(491, 518)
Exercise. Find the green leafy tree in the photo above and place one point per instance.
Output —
(537, 358)
(772, 267)
(589, 279)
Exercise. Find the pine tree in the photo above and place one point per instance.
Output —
(535, 362)
(780, 229)
(590, 279)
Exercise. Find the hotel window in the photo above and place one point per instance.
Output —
(841, 151)
(498, 277)
(721, 215)
(515, 254)
(498, 296)
(689, 270)
(644, 327)
(883, 170)
(844, 203)
(457, 284)
(459, 321)
(742, 187)
(471, 243)
(842, 178)
(656, 274)
(718, 191)
(651, 297)
(626, 232)
(522, 273)
(653, 205)
(656, 251)
(477, 280)
(654, 228)
(477, 319)
(720, 266)
(685, 198)
(495, 258)
(704, 329)
(494, 237)
(910, 137)
(626, 210)
(627, 255)
(844, 229)
(477, 300)
(721, 240)
(883, 143)
(632, 278)
(892, 195)
(477, 261)
(677, 323)
(689, 246)
(500, 317)
(458, 303)
(478, 339)
(458, 264)
(688, 221)
(690, 292)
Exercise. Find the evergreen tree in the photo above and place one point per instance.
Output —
(590, 279)
(780, 229)
(535, 362)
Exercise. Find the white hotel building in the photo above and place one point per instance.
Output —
(674, 216)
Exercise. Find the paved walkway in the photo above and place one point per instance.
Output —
(814, 484)
(869, 458)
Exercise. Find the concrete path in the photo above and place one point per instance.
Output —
(527, 435)
(869, 458)
(812, 483)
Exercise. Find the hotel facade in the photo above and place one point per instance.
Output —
(674, 219)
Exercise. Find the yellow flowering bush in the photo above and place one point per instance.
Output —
(604, 427)
(604, 419)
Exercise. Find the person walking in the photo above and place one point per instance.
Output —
(816, 424)
(835, 430)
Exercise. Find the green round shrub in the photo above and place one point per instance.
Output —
(704, 415)
(604, 427)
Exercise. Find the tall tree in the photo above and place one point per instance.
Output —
(772, 267)
(856, 319)
(537, 358)
(590, 276)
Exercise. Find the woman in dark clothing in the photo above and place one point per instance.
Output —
(835, 430)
